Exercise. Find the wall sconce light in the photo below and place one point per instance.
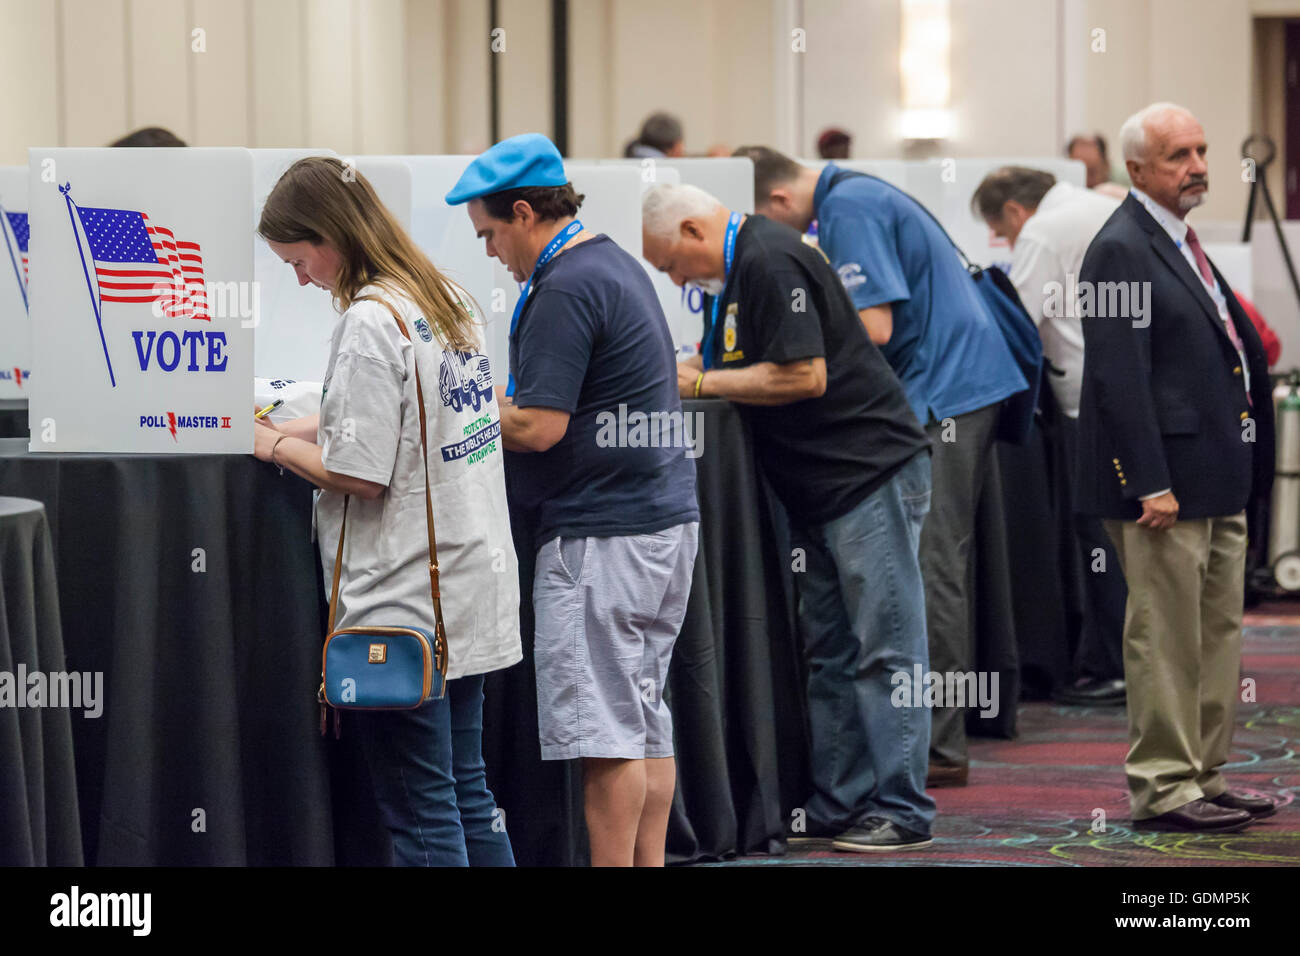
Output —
(923, 70)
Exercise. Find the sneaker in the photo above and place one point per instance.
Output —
(878, 835)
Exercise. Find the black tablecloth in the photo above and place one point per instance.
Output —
(1042, 561)
(210, 676)
(207, 750)
(38, 789)
(734, 685)
(736, 680)
(13, 418)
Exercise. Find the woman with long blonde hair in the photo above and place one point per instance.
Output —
(324, 219)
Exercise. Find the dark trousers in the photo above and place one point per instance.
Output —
(430, 780)
(958, 467)
(1098, 578)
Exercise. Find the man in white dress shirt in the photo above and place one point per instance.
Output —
(1049, 225)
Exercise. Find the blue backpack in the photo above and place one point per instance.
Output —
(1018, 329)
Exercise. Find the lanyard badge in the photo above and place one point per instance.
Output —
(552, 247)
(728, 253)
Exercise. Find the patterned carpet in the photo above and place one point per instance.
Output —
(1042, 799)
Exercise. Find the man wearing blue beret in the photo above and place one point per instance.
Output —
(615, 518)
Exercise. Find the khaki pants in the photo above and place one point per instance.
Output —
(1182, 656)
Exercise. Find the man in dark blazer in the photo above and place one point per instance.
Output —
(1175, 431)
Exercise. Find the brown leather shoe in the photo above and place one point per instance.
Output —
(947, 775)
(1257, 807)
(1199, 816)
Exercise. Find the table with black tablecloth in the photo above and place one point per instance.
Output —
(38, 790)
(191, 582)
(734, 685)
(13, 418)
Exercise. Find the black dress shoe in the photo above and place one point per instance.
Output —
(1093, 692)
(878, 835)
(947, 775)
(1257, 807)
(1199, 816)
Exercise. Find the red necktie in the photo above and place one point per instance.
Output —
(1203, 263)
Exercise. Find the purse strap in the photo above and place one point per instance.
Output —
(439, 630)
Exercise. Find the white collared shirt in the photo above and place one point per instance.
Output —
(1177, 230)
(1045, 261)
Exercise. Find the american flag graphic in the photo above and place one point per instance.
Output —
(137, 261)
(22, 232)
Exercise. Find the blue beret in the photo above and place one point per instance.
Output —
(529, 159)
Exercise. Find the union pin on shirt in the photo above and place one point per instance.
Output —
(730, 335)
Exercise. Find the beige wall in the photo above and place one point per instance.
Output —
(708, 61)
(358, 76)
(1193, 52)
(412, 75)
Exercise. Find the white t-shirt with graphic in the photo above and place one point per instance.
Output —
(370, 428)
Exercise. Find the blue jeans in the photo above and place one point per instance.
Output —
(430, 781)
(862, 608)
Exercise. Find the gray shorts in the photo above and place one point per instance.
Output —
(608, 611)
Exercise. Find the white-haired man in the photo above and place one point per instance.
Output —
(1175, 431)
(835, 436)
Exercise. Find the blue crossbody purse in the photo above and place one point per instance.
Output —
(395, 667)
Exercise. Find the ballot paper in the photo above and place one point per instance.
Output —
(300, 398)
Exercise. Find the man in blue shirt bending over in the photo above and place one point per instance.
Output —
(922, 310)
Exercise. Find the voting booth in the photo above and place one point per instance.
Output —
(296, 323)
(673, 299)
(957, 180)
(611, 204)
(15, 328)
(141, 300)
(730, 179)
(446, 235)
(392, 181)
(915, 178)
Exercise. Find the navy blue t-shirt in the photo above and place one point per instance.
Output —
(592, 341)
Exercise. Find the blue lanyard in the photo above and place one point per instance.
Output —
(552, 247)
(728, 253)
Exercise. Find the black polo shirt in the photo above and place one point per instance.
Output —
(783, 302)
